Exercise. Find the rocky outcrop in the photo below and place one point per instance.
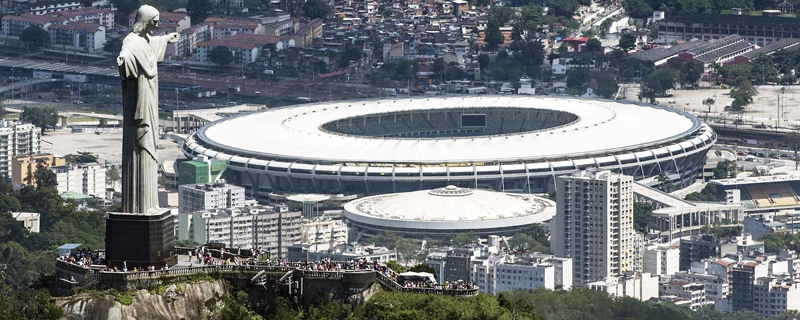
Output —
(199, 300)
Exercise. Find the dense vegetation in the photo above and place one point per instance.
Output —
(708, 194)
(539, 304)
(776, 241)
(29, 257)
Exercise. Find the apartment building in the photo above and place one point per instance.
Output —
(495, 274)
(773, 295)
(88, 37)
(23, 168)
(244, 227)
(693, 294)
(324, 231)
(594, 224)
(85, 178)
(661, 259)
(99, 16)
(210, 197)
(17, 139)
(638, 285)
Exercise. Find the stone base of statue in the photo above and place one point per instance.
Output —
(140, 240)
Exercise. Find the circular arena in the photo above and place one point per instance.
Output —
(447, 211)
(506, 143)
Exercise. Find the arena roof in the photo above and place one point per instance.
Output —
(294, 133)
(450, 208)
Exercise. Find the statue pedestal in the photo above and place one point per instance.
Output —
(140, 240)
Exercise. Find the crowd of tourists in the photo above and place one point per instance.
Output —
(84, 258)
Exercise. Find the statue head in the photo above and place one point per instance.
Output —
(146, 19)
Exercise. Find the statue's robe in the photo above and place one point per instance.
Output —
(138, 61)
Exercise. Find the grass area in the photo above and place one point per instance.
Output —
(12, 116)
(82, 119)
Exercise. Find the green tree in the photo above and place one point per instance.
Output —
(316, 9)
(112, 175)
(658, 82)
(707, 194)
(423, 268)
(594, 45)
(607, 87)
(493, 37)
(563, 8)
(396, 266)
(27, 304)
(577, 78)
(102, 123)
(81, 157)
(387, 239)
(627, 42)
(438, 67)
(642, 211)
(236, 307)
(501, 14)
(638, 9)
(221, 55)
(742, 96)
(406, 248)
(126, 7)
(43, 117)
(199, 10)
(35, 36)
(691, 72)
(43, 177)
(113, 46)
(282, 309)
(350, 54)
(725, 169)
(483, 61)
(462, 239)
(664, 182)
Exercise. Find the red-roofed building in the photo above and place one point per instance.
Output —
(45, 7)
(281, 28)
(305, 36)
(12, 26)
(74, 35)
(101, 16)
(182, 20)
(64, 34)
(198, 33)
(228, 26)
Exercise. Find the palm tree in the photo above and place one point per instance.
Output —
(664, 182)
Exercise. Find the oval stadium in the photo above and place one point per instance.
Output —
(505, 143)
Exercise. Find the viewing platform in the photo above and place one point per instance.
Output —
(295, 280)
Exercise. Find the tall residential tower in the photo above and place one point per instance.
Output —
(594, 224)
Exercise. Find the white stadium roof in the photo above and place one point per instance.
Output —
(294, 133)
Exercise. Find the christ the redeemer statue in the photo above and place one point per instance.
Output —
(137, 61)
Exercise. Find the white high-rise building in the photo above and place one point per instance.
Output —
(17, 139)
(594, 225)
(94, 179)
(210, 197)
(661, 259)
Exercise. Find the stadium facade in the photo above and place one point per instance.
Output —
(506, 143)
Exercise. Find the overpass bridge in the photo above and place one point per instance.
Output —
(20, 84)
